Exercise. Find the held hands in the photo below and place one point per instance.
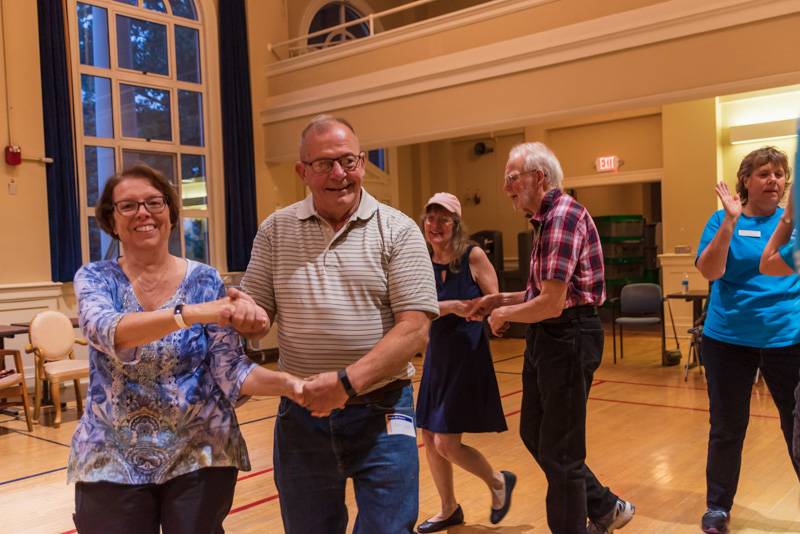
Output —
(323, 393)
(244, 315)
(293, 388)
(480, 307)
(731, 203)
(498, 323)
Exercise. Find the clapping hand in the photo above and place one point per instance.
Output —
(244, 315)
(731, 203)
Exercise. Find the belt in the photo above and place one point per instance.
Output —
(378, 395)
(567, 314)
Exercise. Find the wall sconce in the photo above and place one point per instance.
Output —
(472, 198)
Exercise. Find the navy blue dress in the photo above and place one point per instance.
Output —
(459, 390)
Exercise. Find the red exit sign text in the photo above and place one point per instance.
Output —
(606, 164)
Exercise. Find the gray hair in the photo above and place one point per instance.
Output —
(537, 157)
(322, 123)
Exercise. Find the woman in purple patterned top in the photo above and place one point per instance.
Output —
(158, 445)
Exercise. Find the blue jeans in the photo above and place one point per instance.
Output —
(561, 356)
(730, 371)
(314, 457)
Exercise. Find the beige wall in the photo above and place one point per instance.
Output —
(665, 68)
(24, 238)
(531, 20)
(636, 140)
(276, 184)
(614, 200)
(691, 141)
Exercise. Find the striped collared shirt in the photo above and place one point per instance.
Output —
(567, 249)
(335, 294)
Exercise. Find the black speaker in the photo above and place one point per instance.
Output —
(491, 241)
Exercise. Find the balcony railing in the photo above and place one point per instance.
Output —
(297, 46)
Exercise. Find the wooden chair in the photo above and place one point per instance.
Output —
(13, 385)
(51, 341)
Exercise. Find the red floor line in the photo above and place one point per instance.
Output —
(653, 405)
(254, 503)
(254, 474)
(509, 414)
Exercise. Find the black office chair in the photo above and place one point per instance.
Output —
(639, 305)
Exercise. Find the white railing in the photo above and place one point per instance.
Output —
(339, 29)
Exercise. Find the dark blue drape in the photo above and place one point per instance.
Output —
(62, 194)
(237, 134)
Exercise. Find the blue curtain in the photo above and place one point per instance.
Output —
(62, 194)
(237, 134)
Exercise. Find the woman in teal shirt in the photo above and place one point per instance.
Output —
(751, 323)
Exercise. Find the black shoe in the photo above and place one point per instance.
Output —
(715, 521)
(456, 518)
(497, 515)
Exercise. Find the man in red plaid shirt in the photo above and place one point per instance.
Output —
(564, 340)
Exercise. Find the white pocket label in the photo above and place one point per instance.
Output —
(398, 423)
(750, 233)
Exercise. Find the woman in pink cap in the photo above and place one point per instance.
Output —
(459, 390)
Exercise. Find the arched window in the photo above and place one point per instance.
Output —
(140, 82)
(332, 14)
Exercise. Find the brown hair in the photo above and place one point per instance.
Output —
(104, 210)
(460, 241)
(755, 160)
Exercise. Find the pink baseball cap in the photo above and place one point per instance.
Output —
(448, 201)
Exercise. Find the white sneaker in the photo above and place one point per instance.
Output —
(617, 518)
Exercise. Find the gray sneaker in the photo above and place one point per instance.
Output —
(617, 518)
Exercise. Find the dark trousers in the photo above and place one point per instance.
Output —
(193, 503)
(561, 356)
(730, 372)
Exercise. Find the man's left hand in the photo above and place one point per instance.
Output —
(324, 393)
(497, 322)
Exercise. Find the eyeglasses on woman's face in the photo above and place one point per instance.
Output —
(127, 208)
(442, 220)
(348, 163)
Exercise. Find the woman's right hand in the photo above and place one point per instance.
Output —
(731, 202)
(213, 311)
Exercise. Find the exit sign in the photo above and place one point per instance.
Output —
(607, 164)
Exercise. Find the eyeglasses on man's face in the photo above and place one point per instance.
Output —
(126, 208)
(348, 163)
(512, 177)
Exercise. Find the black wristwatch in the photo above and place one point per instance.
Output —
(177, 314)
(348, 387)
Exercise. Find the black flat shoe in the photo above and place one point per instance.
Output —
(497, 515)
(456, 518)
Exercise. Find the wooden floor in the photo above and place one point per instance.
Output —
(647, 435)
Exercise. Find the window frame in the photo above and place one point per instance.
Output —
(211, 120)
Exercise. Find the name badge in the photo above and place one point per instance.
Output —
(750, 233)
(398, 423)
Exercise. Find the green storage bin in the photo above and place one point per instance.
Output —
(616, 226)
(626, 270)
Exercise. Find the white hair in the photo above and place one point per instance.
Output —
(537, 157)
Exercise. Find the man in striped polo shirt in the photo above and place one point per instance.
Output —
(564, 341)
(350, 282)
